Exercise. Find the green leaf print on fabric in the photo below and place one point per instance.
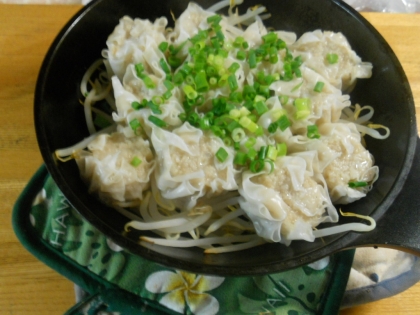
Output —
(295, 292)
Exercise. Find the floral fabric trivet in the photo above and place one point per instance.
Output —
(123, 283)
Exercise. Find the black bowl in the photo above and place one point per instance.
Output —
(59, 121)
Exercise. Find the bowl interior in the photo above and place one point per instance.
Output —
(59, 121)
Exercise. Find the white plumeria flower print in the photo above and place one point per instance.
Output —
(183, 289)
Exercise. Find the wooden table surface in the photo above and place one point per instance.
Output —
(26, 285)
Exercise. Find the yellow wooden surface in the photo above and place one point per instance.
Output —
(26, 285)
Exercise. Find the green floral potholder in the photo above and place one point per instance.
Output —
(122, 283)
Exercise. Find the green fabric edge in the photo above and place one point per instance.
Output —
(337, 287)
(96, 285)
(90, 282)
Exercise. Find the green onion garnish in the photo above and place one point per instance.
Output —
(135, 124)
(157, 121)
(319, 86)
(163, 46)
(135, 161)
(262, 153)
(164, 66)
(271, 153)
(241, 158)
(221, 154)
(139, 69)
(357, 184)
(233, 83)
(190, 92)
(281, 149)
(312, 132)
(249, 143)
(238, 134)
(252, 59)
(261, 108)
(241, 55)
(270, 38)
(283, 123)
(332, 58)
(256, 166)
(201, 83)
(214, 19)
(154, 107)
(136, 105)
(302, 108)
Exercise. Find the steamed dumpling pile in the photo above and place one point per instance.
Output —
(202, 103)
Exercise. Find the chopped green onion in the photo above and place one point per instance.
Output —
(256, 166)
(319, 86)
(241, 55)
(236, 97)
(281, 149)
(135, 124)
(148, 81)
(227, 141)
(249, 93)
(201, 83)
(261, 108)
(157, 99)
(332, 58)
(252, 153)
(232, 125)
(157, 121)
(302, 108)
(262, 153)
(214, 19)
(136, 105)
(135, 161)
(213, 81)
(174, 62)
(274, 57)
(247, 123)
(280, 44)
(189, 80)
(163, 46)
(233, 67)
(154, 107)
(252, 59)
(271, 153)
(139, 69)
(169, 85)
(182, 116)
(167, 95)
(312, 132)
(357, 184)
(218, 132)
(178, 78)
(283, 123)
(241, 158)
(164, 66)
(250, 142)
(233, 83)
(270, 38)
(238, 134)
(221, 154)
(259, 132)
(190, 92)
(272, 127)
